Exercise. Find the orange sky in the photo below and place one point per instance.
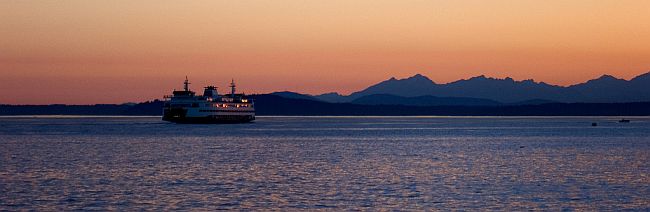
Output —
(86, 51)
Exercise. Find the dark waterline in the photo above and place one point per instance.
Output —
(500, 163)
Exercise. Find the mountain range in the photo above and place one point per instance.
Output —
(419, 90)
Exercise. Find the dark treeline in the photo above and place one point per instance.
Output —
(152, 108)
(275, 105)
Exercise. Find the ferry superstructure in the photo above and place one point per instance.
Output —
(187, 107)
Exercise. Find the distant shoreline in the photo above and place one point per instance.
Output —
(271, 105)
(297, 116)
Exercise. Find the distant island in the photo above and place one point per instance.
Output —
(418, 95)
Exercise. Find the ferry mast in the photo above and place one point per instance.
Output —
(232, 88)
(186, 84)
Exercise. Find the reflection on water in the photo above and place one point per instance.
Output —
(325, 163)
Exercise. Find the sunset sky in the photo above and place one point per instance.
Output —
(85, 51)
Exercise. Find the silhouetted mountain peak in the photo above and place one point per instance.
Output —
(411, 86)
(419, 78)
(480, 77)
(606, 78)
(484, 79)
(529, 81)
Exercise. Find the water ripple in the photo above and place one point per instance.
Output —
(401, 164)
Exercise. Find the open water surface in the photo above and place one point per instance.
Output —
(331, 163)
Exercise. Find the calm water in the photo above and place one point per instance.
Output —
(336, 163)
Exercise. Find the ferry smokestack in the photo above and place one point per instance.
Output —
(211, 91)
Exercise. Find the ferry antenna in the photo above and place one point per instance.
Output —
(232, 88)
(186, 84)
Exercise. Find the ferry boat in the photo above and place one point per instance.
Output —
(187, 107)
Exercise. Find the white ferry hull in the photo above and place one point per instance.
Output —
(180, 115)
